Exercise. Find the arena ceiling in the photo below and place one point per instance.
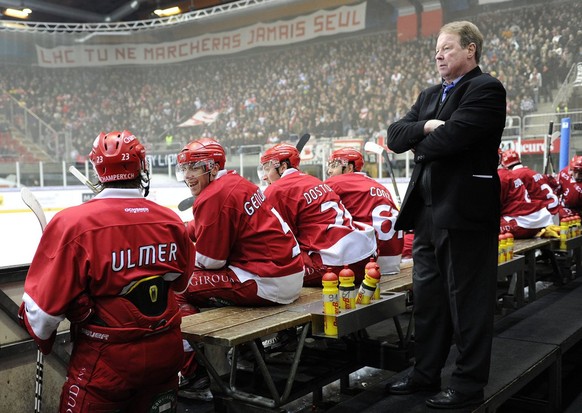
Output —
(94, 11)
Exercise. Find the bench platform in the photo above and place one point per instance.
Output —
(241, 328)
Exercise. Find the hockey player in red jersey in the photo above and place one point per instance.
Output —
(323, 226)
(537, 185)
(109, 265)
(570, 188)
(245, 252)
(368, 202)
(520, 215)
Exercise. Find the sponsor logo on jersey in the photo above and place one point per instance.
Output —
(137, 210)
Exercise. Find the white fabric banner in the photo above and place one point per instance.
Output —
(345, 19)
(199, 118)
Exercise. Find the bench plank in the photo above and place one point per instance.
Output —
(521, 246)
(226, 317)
(249, 330)
(227, 325)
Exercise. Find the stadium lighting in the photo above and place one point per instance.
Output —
(170, 11)
(16, 13)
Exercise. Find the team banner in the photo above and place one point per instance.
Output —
(345, 19)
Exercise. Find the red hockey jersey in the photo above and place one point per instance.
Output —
(537, 187)
(235, 225)
(319, 219)
(371, 203)
(516, 203)
(570, 193)
(101, 248)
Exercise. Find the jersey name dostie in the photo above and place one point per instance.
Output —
(313, 193)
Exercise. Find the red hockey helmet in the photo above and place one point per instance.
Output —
(118, 156)
(576, 164)
(204, 151)
(280, 153)
(575, 159)
(347, 155)
(509, 158)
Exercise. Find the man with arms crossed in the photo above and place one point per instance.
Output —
(452, 203)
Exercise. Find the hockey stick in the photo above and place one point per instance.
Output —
(83, 179)
(188, 202)
(30, 200)
(549, 163)
(302, 142)
(379, 150)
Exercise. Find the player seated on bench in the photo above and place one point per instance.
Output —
(538, 185)
(570, 188)
(521, 215)
(369, 202)
(324, 228)
(245, 252)
(109, 265)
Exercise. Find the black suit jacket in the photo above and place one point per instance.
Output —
(462, 153)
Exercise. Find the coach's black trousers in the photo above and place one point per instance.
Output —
(454, 287)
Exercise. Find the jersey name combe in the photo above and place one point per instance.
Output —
(143, 256)
(379, 192)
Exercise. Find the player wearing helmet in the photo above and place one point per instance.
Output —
(536, 184)
(323, 226)
(109, 266)
(521, 214)
(245, 252)
(570, 188)
(368, 202)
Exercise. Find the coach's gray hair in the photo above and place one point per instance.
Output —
(468, 32)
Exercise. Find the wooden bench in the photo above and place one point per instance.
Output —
(513, 268)
(528, 248)
(243, 327)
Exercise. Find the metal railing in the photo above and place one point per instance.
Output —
(33, 128)
(122, 28)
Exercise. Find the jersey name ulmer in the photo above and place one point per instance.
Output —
(254, 202)
(143, 256)
(315, 192)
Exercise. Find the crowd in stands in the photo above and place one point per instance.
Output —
(351, 86)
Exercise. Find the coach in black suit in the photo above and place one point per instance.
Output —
(452, 203)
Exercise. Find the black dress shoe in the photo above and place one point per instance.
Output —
(407, 385)
(452, 399)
